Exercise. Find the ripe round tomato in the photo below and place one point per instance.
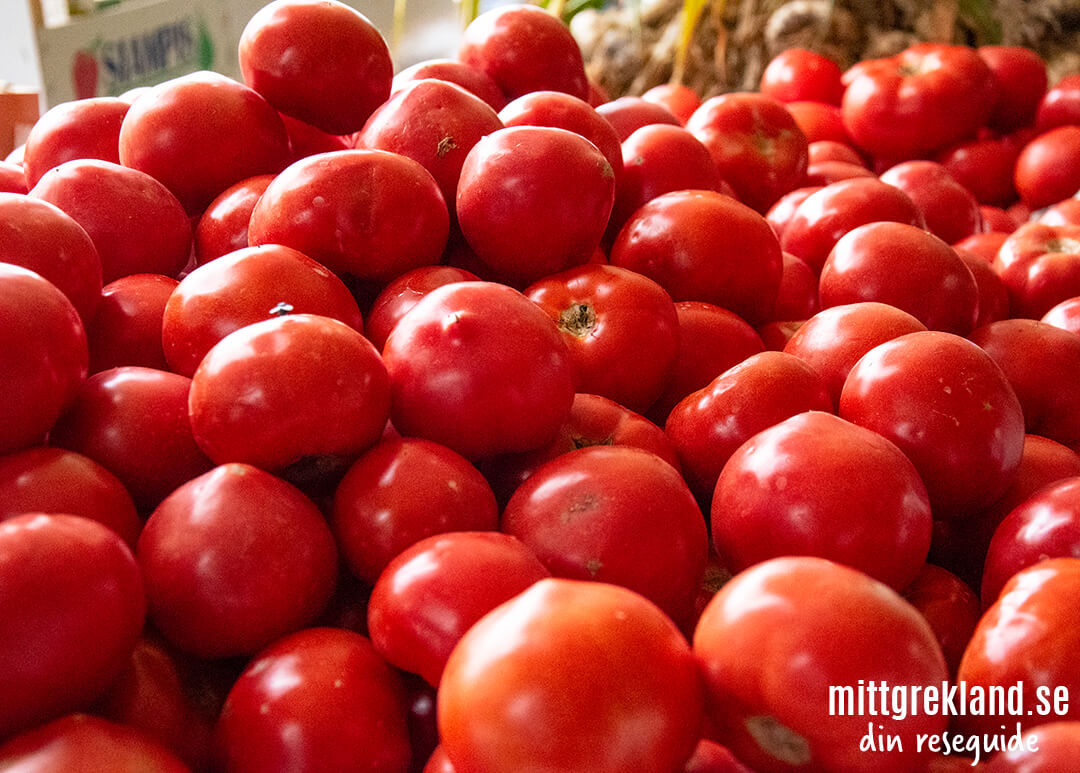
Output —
(819, 121)
(1048, 168)
(12, 179)
(1065, 315)
(73, 608)
(81, 128)
(480, 368)
(950, 210)
(1044, 749)
(320, 699)
(774, 640)
(628, 114)
(949, 605)
(1020, 74)
(1060, 105)
(993, 302)
(223, 226)
(798, 74)
(681, 101)
(452, 71)
(553, 678)
(305, 56)
(798, 295)
(1040, 265)
(234, 559)
(280, 391)
(127, 326)
(985, 166)
(400, 295)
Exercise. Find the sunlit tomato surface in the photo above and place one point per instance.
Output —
(819, 121)
(480, 368)
(81, 128)
(798, 294)
(243, 287)
(278, 391)
(41, 237)
(133, 421)
(775, 639)
(552, 679)
(1060, 105)
(12, 179)
(1065, 315)
(985, 166)
(453, 71)
(680, 100)
(920, 100)
(200, 133)
(704, 246)
(307, 140)
(629, 113)
(711, 757)
(523, 49)
(234, 559)
(949, 407)
(707, 426)
(1029, 636)
(320, 699)
(400, 295)
(614, 514)
(755, 143)
(401, 491)
(1040, 265)
(949, 605)
(1020, 74)
(370, 213)
(619, 326)
(950, 210)
(52, 480)
(798, 74)
(1043, 749)
(223, 226)
(1065, 212)
(65, 582)
(304, 55)
(993, 304)
(81, 743)
(432, 593)
(127, 326)
(1048, 168)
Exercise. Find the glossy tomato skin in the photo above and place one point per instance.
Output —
(755, 143)
(200, 133)
(711, 757)
(369, 213)
(795, 626)
(769, 491)
(620, 328)
(432, 593)
(303, 55)
(1048, 168)
(233, 559)
(819, 121)
(480, 368)
(12, 179)
(81, 743)
(515, 209)
(1060, 105)
(52, 480)
(1065, 315)
(1044, 749)
(628, 114)
(133, 421)
(452, 71)
(1027, 637)
(949, 605)
(51, 615)
(41, 237)
(401, 491)
(798, 295)
(681, 101)
(127, 326)
(798, 74)
(588, 660)
(950, 210)
(906, 267)
(223, 225)
(614, 514)
(709, 425)
(1040, 265)
(82, 128)
(43, 340)
(926, 97)
(949, 407)
(984, 166)
(704, 246)
(312, 387)
(993, 302)
(1021, 78)
(400, 295)
(244, 287)
(1065, 212)
(321, 700)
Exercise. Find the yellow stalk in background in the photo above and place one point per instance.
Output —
(691, 14)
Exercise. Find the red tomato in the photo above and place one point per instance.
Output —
(798, 295)
(926, 97)
(709, 425)
(523, 49)
(277, 392)
(830, 150)
(436, 124)
(819, 121)
(949, 407)
(400, 295)
(755, 143)
(797, 74)
(614, 514)
(780, 213)
(552, 679)
(127, 326)
(828, 172)
(243, 287)
(985, 166)
(80, 743)
(133, 421)
(620, 328)
(776, 334)
(516, 210)
(218, 553)
(949, 605)
(1028, 636)
(200, 133)
(1040, 265)
(74, 607)
(679, 100)
(434, 590)
(400, 492)
(480, 368)
(1045, 749)
(369, 213)
(711, 757)
(320, 699)
(1020, 74)
(1065, 315)
(950, 210)
(12, 179)
(453, 71)
(628, 114)
(304, 55)
(997, 219)
(137, 225)
(1065, 212)
(41, 237)
(834, 339)
(985, 245)
(704, 246)
(43, 346)
(51, 480)
(82, 128)
(1048, 168)
(778, 636)
(306, 140)
(993, 302)
(223, 227)
(1060, 105)
(906, 267)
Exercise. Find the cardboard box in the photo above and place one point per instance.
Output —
(19, 109)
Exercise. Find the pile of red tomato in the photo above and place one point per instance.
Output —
(466, 420)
